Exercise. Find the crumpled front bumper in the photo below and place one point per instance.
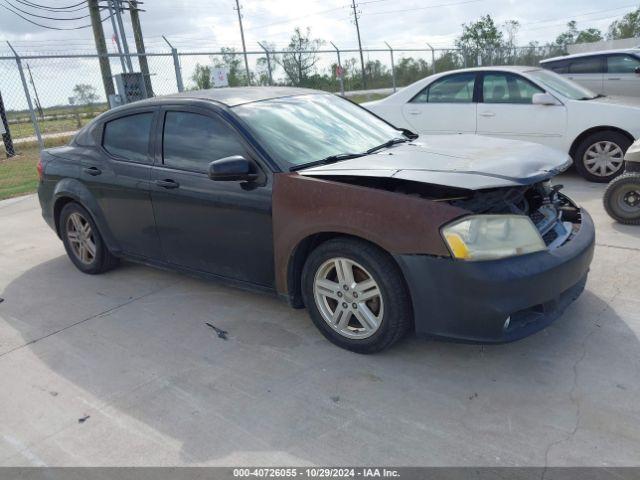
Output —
(472, 301)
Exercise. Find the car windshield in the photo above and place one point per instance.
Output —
(564, 87)
(308, 128)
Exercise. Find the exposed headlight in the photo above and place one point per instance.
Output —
(489, 237)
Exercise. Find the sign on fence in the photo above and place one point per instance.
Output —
(219, 77)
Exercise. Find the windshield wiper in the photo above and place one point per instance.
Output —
(388, 144)
(327, 160)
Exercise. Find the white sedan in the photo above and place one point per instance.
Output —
(521, 103)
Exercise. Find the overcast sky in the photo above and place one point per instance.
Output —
(210, 24)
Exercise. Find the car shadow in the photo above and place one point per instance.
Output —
(135, 344)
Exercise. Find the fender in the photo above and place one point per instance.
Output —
(76, 190)
(398, 223)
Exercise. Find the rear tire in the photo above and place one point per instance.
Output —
(600, 157)
(356, 295)
(622, 199)
(83, 242)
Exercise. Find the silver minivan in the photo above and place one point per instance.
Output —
(611, 72)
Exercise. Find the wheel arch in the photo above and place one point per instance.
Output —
(301, 252)
(71, 190)
(590, 131)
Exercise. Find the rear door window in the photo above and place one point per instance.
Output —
(450, 89)
(622, 64)
(128, 137)
(191, 141)
(586, 65)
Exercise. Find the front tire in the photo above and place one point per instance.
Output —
(600, 157)
(83, 242)
(622, 199)
(356, 295)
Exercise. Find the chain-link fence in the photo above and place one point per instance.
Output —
(45, 99)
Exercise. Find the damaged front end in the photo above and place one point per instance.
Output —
(554, 215)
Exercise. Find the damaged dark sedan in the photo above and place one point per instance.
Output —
(376, 231)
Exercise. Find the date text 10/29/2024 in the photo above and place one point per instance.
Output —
(316, 472)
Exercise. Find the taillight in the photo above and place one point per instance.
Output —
(40, 169)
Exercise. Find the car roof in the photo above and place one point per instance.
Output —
(499, 68)
(232, 96)
(635, 50)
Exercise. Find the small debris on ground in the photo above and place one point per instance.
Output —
(475, 395)
(84, 419)
(336, 399)
(221, 333)
(53, 394)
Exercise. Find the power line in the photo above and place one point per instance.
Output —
(45, 26)
(44, 16)
(53, 9)
(290, 20)
(428, 7)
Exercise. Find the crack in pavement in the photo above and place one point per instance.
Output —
(79, 322)
(575, 400)
(633, 249)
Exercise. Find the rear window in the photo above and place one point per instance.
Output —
(128, 137)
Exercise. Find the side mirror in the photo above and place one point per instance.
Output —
(232, 169)
(544, 99)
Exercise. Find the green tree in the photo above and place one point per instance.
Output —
(300, 58)
(481, 37)
(573, 35)
(85, 94)
(201, 77)
(589, 35)
(627, 27)
(448, 61)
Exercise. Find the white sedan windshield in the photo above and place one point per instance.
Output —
(564, 87)
(297, 130)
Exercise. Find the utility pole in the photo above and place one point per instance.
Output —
(116, 34)
(244, 47)
(123, 36)
(355, 18)
(101, 48)
(137, 35)
(35, 91)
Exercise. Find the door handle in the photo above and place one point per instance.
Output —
(93, 171)
(487, 114)
(168, 183)
(414, 112)
(614, 78)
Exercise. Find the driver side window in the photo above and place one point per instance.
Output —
(191, 141)
(450, 89)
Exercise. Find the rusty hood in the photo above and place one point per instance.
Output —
(463, 161)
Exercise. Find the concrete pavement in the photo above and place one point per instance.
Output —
(129, 352)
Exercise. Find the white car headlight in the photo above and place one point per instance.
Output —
(489, 237)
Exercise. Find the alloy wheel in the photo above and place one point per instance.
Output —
(81, 239)
(348, 298)
(603, 158)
